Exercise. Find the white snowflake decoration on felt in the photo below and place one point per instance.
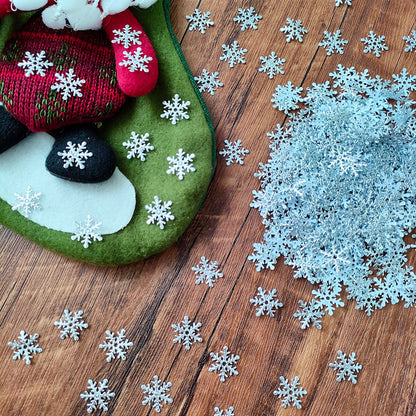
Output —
(127, 37)
(333, 43)
(293, 30)
(68, 85)
(375, 44)
(207, 272)
(410, 42)
(26, 347)
(35, 64)
(159, 212)
(181, 164)
(286, 97)
(116, 346)
(98, 396)
(138, 146)
(87, 231)
(176, 109)
(290, 392)
(272, 64)
(187, 332)
(234, 152)
(346, 367)
(226, 412)
(339, 2)
(27, 203)
(199, 21)
(71, 324)
(208, 82)
(75, 155)
(266, 302)
(233, 54)
(136, 61)
(156, 394)
(247, 18)
(224, 364)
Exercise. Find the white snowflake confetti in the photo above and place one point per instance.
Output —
(207, 272)
(156, 394)
(286, 97)
(234, 152)
(224, 363)
(176, 109)
(309, 313)
(68, 85)
(333, 42)
(410, 42)
(199, 21)
(247, 18)
(187, 332)
(266, 302)
(127, 36)
(181, 164)
(339, 2)
(138, 146)
(375, 44)
(272, 64)
(117, 346)
(233, 54)
(226, 412)
(35, 64)
(75, 154)
(71, 325)
(27, 203)
(98, 396)
(26, 347)
(208, 82)
(87, 231)
(293, 30)
(159, 212)
(346, 367)
(290, 393)
(136, 61)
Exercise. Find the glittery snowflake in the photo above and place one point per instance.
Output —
(127, 36)
(293, 30)
(375, 44)
(71, 324)
(286, 97)
(339, 2)
(68, 85)
(208, 82)
(309, 314)
(97, 396)
(247, 18)
(138, 146)
(233, 54)
(272, 64)
(27, 203)
(290, 392)
(410, 42)
(116, 346)
(333, 43)
(266, 302)
(35, 64)
(156, 394)
(181, 164)
(136, 61)
(26, 347)
(346, 367)
(187, 333)
(176, 110)
(226, 412)
(199, 21)
(234, 152)
(87, 232)
(159, 212)
(207, 272)
(224, 364)
(75, 155)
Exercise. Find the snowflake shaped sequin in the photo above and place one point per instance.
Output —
(309, 313)
(290, 392)
(199, 21)
(159, 212)
(26, 347)
(272, 64)
(98, 396)
(35, 64)
(68, 85)
(75, 155)
(410, 42)
(346, 367)
(187, 332)
(138, 146)
(233, 54)
(339, 2)
(286, 97)
(156, 394)
(116, 346)
(28, 202)
(136, 61)
(266, 302)
(208, 82)
(224, 364)
(247, 18)
(127, 36)
(234, 152)
(293, 30)
(87, 232)
(375, 44)
(176, 110)
(207, 272)
(226, 412)
(71, 324)
(333, 43)
(181, 164)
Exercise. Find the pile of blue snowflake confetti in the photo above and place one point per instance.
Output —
(338, 194)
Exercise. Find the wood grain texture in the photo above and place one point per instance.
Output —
(148, 297)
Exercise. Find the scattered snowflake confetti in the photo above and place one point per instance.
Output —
(159, 212)
(156, 394)
(26, 347)
(266, 302)
(375, 44)
(333, 43)
(176, 109)
(339, 2)
(116, 346)
(71, 325)
(35, 64)
(138, 146)
(68, 85)
(247, 18)
(272, 64)
(234, 152)
(293, 30)
(346, 367)
(224, 363)
(290, 393)
(286, 97)
(136, 61)
(187, 332)
(207, 272)
(181, 164)
(27, 203)
(233, 54)
(127, 36)
(75, 155)
(98, 396)
(208, 82)
(226, 412)
(410, 42)
(309, 313)
(87, 232)
(199, 21)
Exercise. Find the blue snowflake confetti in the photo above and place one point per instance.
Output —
(293, 30)
(375, 44)
(233, 54)
(333, 42)
(234, 152)
(309, 313)
(290, 392)
(208, 82)
(248, 18)
(339, 2)
(346, 367)
(199, 21)
(286, 97)
(410, 42)
(272, 64)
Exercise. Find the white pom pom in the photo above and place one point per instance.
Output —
(54, 18)
(114, 7)
(29, 5)
(144, 4)
(85, 18)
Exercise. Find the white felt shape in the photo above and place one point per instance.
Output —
(63, 203)
(28, 5)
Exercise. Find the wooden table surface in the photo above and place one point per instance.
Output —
(146, 298)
